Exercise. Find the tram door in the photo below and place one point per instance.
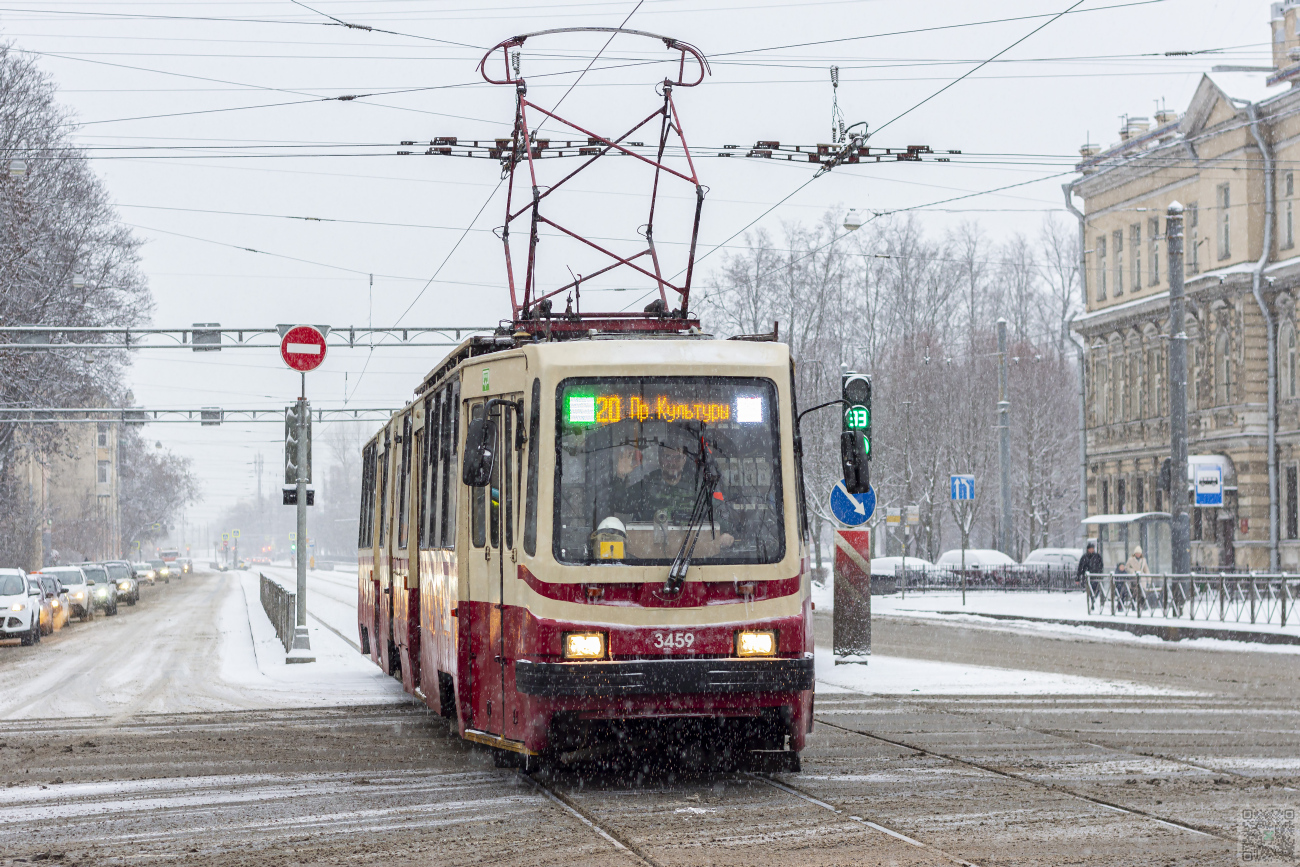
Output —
(491, 540)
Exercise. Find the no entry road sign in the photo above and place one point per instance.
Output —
(852, 510)
(303, 348)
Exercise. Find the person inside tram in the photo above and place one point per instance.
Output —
(664, 490)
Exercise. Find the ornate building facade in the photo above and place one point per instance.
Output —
(1234, 166)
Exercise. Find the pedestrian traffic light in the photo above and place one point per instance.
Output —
(855, 436)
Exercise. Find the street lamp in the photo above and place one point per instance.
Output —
(17, 168)
(78, 281)
(853, 220)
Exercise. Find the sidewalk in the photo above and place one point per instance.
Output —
(1068, 612)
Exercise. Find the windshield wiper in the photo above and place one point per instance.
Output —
(704, 497)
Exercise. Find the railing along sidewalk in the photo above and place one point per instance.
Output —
(1254, 598)
(1022, 577)
(281, 607)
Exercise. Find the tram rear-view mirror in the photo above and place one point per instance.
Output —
(480, 450)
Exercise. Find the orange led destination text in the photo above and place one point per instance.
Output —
(610, 410)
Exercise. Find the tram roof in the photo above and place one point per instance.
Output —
(631, 348)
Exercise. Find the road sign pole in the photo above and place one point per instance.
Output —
(301, 651)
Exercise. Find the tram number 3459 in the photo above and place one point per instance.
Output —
(673, 640)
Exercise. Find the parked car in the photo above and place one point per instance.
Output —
(889, 565)
(144, 572)
(79, 587)
(41, 602)
(58, 597)
(1057, 558)
(128, 588)
(162, 569)
(104, 588)
(976, 558)
(20, 606)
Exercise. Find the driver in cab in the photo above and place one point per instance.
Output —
(664, 490)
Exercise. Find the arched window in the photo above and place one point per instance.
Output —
(1222, 369)
(1100, 386)
(1286, 361)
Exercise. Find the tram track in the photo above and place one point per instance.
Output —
(611, 835)
(1040, 784)
(1066, 737)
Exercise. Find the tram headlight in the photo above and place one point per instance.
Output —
(756, 643)
(584, 645)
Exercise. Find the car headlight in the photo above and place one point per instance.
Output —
(101, 591)
(756, 643)
(18, 606)
(54, 603)
(78, 595)
(125, 585)
(584, 645)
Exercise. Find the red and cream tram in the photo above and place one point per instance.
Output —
(562, 536)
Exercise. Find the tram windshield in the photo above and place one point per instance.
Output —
(632, 467)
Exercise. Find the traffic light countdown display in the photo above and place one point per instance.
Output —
(855, 436)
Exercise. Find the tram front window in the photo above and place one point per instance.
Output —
(631, 470)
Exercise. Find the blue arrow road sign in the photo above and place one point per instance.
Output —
(852, 510)
(963, 487)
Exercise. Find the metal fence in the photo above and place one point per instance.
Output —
(1009, 578)
(1226, 598)
(282, 607)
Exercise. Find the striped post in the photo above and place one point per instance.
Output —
(851, 624)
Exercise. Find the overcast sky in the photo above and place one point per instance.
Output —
(187, 107)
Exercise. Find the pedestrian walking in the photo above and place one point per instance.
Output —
(1090, 564)
(1137, 565)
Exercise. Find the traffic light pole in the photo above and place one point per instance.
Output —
(301, 651)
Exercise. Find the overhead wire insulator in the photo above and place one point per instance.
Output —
(837, 117)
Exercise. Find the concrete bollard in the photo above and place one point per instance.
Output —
(851, 623)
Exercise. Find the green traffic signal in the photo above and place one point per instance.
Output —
(857, 418)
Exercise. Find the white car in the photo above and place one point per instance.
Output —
(976, 558)
(889, 565)
(20, 607)
(81, 600)
(1057, 558)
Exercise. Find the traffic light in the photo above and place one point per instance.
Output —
(291, 441)
(855, 436)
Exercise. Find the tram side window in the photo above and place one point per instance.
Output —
(366, 522)
(530, 503)
(429, 479)
(478, 498)
(383, 490)
(450, 482)
(403, 483)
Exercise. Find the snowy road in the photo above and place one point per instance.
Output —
(200, 643)
(175, 732)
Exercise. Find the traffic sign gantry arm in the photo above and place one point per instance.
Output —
(855, 435)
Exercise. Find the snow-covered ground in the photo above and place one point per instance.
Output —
(892, 675)
(947, 606)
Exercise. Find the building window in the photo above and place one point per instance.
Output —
(1286, 360)
(1225, 221)
(101, 435)
(1288, 214)
(105, 470)
(1135, 244)
(1196, 525)
(1117, 389)
(1117, 247)
(1153, 251)
(1160, 500)
(1223, 370)
(1139, 494)
(1119, 497)
(1192, 248)
(1100, 379)
(1105, 496)
(1292, 511)
(1101, 267)
(1156, 383)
